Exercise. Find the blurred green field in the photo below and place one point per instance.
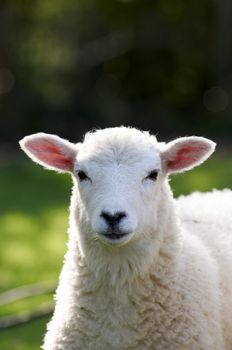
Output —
(33, 219)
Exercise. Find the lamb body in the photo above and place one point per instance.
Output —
(209, 217)
(134, 277)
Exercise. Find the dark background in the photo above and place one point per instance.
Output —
(67, 66)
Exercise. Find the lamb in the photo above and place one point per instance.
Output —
(137, 275)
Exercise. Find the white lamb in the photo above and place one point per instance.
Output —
(135, 277)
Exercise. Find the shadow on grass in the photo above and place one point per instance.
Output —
(25, 337)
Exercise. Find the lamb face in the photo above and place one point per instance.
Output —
(119, 185)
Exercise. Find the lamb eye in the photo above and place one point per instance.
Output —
(82, 175)
(152, 175)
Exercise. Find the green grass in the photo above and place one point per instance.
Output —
(215, 173)
(33, 220)
(25, 337)
(33, 223)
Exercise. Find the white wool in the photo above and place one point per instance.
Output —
(163, 285)
(209, 216)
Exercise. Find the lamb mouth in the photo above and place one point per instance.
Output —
(115, 235)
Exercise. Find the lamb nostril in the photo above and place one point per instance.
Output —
(120, 215)
(113, 219)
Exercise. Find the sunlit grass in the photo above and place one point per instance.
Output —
(23, 305)
(33, 245)
(33, 223)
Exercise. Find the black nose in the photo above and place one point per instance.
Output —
(113, 219)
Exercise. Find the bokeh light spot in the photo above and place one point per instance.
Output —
(216, 99)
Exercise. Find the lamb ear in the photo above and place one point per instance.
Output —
(50, 151)
(185, 153)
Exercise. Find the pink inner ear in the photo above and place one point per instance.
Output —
(51, 154)
(186, 156)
